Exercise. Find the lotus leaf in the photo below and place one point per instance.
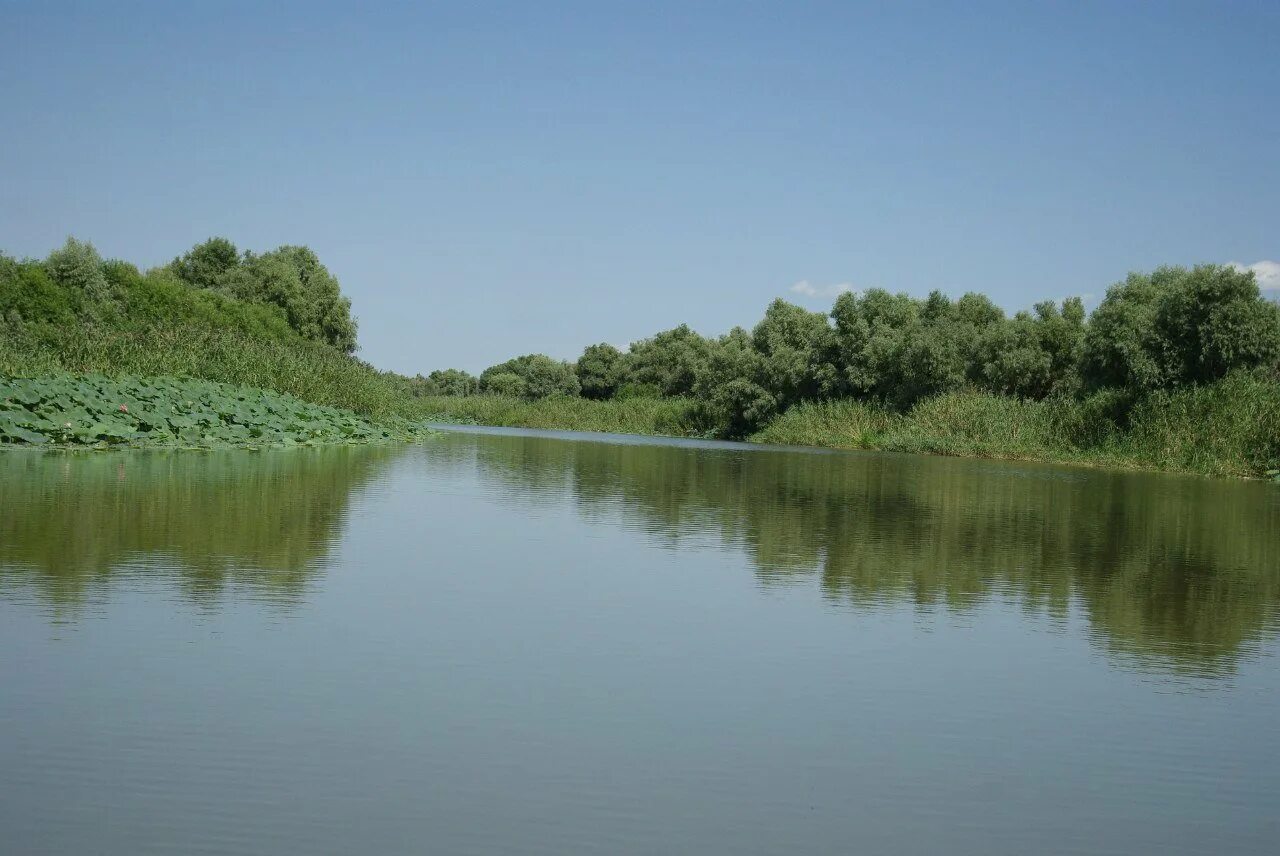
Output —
(101, 412)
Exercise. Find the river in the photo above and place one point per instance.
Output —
(530, 642)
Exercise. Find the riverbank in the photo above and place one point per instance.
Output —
(1231, 428)
(94, 411)
(288, 365)
(655, 417)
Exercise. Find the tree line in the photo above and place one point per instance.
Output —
(1171, 328)
(1175, 327)
(284, 290)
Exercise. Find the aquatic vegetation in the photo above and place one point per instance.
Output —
(1230, 428)
(98, 411)
(1176, 370)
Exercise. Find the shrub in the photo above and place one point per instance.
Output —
(77, 267)
(669, 361)
(530, 376)
(1177, 326)
(290, 278)
(600, 371)
(1033, 356)
(206, 265)
(453, 382)
(28, 294)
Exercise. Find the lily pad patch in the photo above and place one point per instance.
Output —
(103, 412)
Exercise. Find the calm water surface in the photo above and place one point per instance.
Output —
(502, 642)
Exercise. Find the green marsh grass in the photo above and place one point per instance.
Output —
(309, 371)
(674, 417)
(1231, 428)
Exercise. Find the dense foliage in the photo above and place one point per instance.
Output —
(600, 371)
(283, 294)
(530, 376)
(289, 278)
(1171, 329)
(75, 313)
(444, 382)
(1175, 369)
(1178, 327)
(159, 411)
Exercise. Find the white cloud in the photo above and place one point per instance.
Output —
(808, 289)
(1266, 272)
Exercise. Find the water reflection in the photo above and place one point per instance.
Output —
(263, 522)
(1180, 573)
(1175, 573)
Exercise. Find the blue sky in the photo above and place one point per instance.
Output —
(491, 179)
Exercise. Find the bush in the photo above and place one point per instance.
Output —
(895, 349)
(669, 361)
(1176, 327)
(629, 391)
(1033, 356)
(289, 278)
(308, 370)
(675, 417)
(77, 267)
(27, 294)
(206, 265)
(600, 371)
(530, 376)
(451, 382)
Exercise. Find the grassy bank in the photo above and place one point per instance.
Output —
(287, 365)
(1231, 428)
(1176, 370)
(273, 321)
(671, 417)
(101, 412)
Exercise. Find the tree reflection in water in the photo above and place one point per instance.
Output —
(263, 522)
(1179, 572)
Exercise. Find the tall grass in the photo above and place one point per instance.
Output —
(309, 371)
(1231, 428)
(675, 417)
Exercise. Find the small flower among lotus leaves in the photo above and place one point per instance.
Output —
(124, 408)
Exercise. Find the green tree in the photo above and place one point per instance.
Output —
(1212, 320)
(730, 386)
(77, 267)
(505, 383)
(1177, 326)
(27, 294)
(1034, 356)
(206, 265)
(869, 331)
(745, 379)
(669, 361)
(293, 279)
(791, 342)
(530, 376)
(896, 349)
(601, 370)
(454, 382)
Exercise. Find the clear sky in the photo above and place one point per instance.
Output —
(492, 179)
